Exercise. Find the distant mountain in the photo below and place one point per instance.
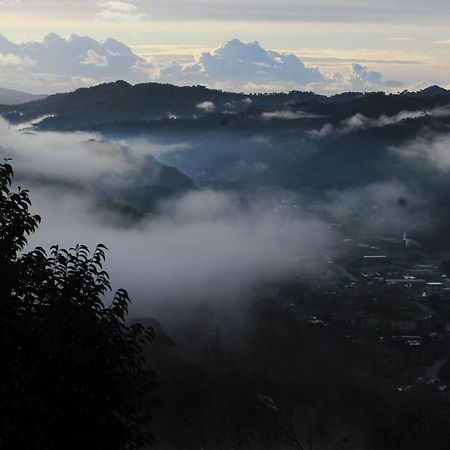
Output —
(298, 141)
(12, 97)
(428, 92)
(119, 101)
(122, 102)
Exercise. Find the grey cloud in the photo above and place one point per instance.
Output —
(204, 245)
(306, 10)
(361, 122)
(382, 209)
(288, 115)
(362, 78)
(413, 11)
(430, 149)
(340, 11)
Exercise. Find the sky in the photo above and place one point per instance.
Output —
(247, 45)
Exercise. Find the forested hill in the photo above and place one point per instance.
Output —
(121, 101)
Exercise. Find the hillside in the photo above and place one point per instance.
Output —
(13, 97)
(123, 102)
(300, 142)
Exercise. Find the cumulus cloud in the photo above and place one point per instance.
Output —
(59, 64)
(248, 67)
(15, 61)
(362, 78)
(243, 66)
(93, 59)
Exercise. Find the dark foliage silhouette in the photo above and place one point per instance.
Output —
(72, 371)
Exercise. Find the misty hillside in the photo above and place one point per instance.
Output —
(116, 179)
(13, 97)
(295, 141)
(121, 101)
(307, 144)
(298, 140)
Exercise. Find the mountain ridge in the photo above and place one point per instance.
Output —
(121, 101)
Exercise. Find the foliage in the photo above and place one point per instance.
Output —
(72, 370)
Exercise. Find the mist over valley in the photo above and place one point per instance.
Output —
(289, 251)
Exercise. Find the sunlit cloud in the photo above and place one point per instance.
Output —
(119, 10)
(60, 64)
(442, 42)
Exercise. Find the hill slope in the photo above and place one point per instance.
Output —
(123, 102)
(12, 97)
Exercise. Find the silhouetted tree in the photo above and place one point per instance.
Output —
(72, 371)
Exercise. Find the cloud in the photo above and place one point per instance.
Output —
(402, 39)
(361, 78)
(248, 67)
(59, 64)
(442, 42)
(301, 11)
(208, 107)
(119, 10)
(202, 246)
(205, 246)
(93, 59)
(360, 122)
(12, 60)
(343, 11)
(430, 149)
(238, 65)
(288, 115)
(384, 208)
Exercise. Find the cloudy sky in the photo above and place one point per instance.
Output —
(252, 45)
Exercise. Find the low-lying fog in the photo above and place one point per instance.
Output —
(197, 244)
(200, 245)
